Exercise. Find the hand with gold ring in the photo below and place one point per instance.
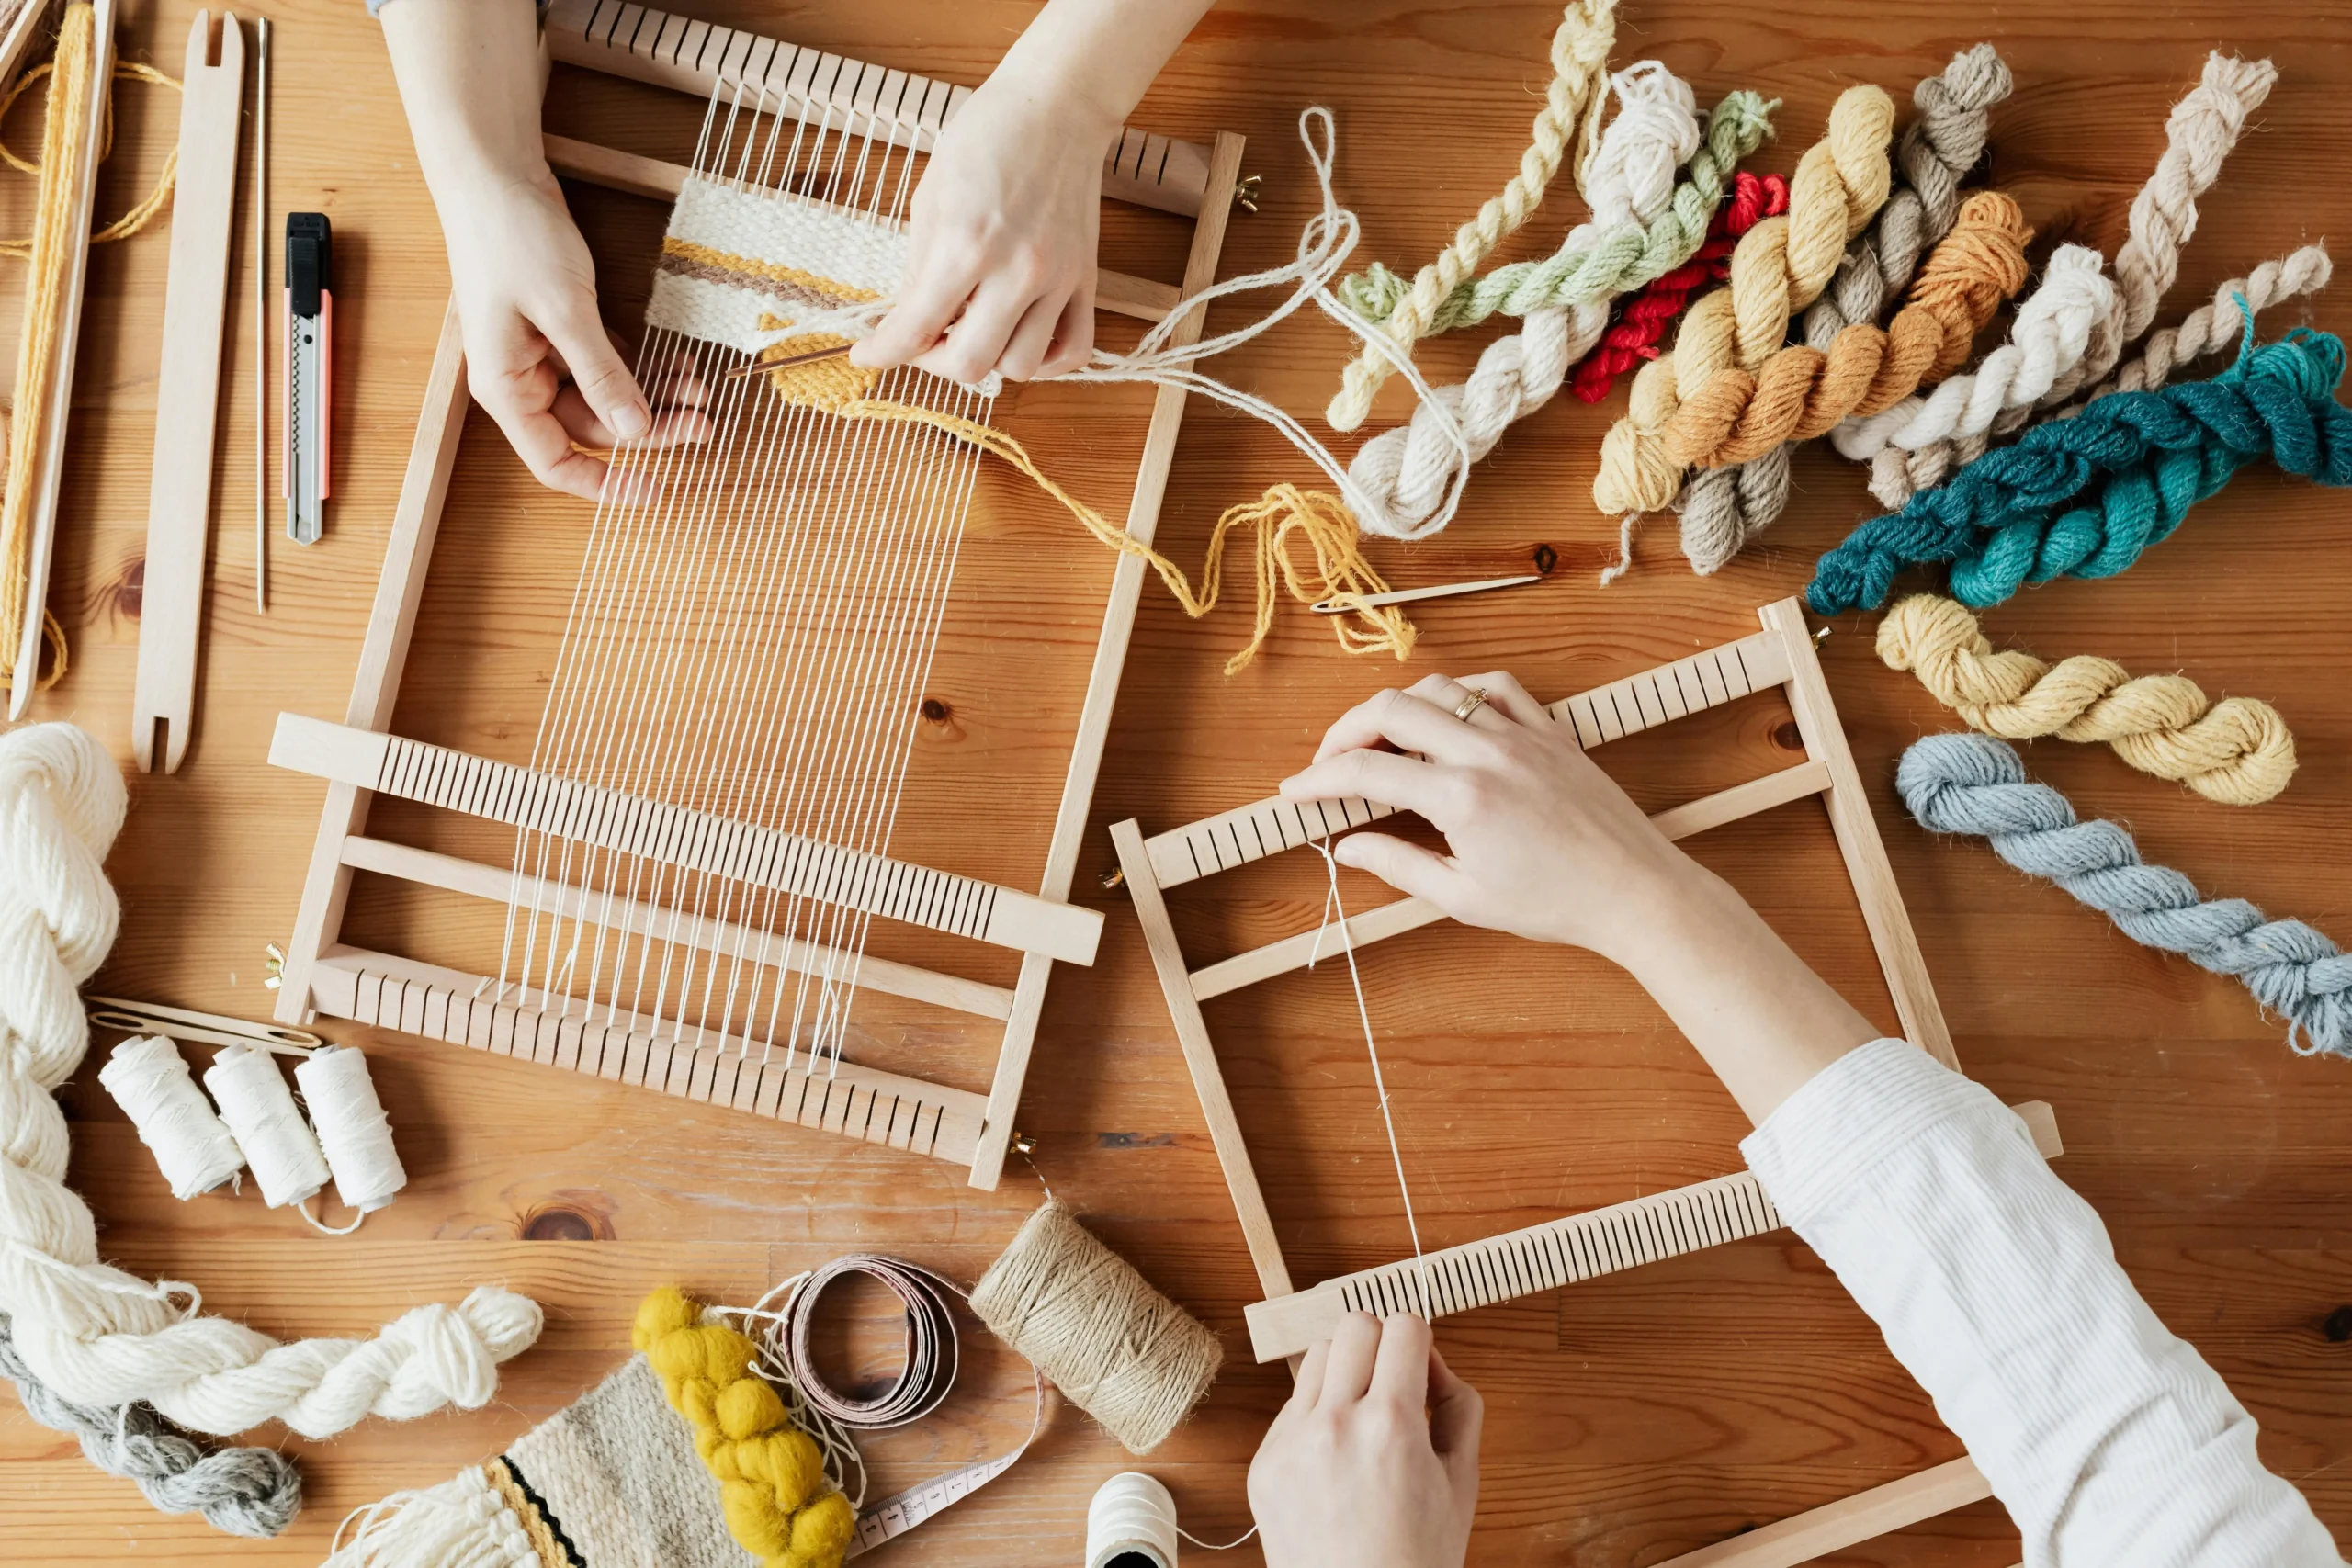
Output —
(1541, 842)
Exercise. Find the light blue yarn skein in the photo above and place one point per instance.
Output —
(1975, 784)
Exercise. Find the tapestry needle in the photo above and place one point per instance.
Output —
(761, 366)
(261, 322)
(1407, 595)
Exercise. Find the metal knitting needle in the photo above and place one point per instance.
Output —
(261, 324)
(761, 366)
(1408, 595)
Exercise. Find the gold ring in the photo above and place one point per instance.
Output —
(1471, 704)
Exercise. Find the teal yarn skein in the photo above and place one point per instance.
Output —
(2086, 497)
(1976, 784)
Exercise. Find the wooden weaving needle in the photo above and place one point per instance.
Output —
(1410, 595)
(761, 366)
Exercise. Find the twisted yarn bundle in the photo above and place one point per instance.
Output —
(771, 1474)
(2216, 325)
(1723, 511)
(1119, 1349)
(1409, 474)
(2084, 497)
(247, 1492)
(1781, 267)
(95, 1334)
(1974, 783)
(1570, 117)
(1632, 337)
(1802, 392)
(1601, 264)
(2238, 752)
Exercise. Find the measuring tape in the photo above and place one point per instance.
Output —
(933, 1357)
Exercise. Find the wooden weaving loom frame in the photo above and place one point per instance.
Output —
(360, 758)
(1623, 1236)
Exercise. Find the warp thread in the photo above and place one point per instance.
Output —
(2238, 752)
(1779, 268)
(1570, 118)
(250, 1492)
(1632, 337)
(149, 1079)
(51, 254)
(2085, 497)
(1116, 1348)
(1802, 392)
(1976, 784)
(1724, 513)
(93, 1334)
(1598, 264)
(2199, 133)
(1411, 473)
(771, 1474)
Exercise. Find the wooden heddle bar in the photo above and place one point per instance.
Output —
(1601, 1241)
(701, 1051)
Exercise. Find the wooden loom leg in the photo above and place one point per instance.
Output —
(1865, 854)
(1847, 1522)
(1200, 1057)
(415, 521)
(1109, 663)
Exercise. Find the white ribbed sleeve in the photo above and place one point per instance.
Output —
(2109, 1439)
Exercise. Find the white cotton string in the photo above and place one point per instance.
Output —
(1133, 1516)
(259, 1109)
(354, 1133)
(1336, 912)
(149, 1079)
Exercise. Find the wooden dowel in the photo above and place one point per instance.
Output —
(1847, 1522)
(629, 916)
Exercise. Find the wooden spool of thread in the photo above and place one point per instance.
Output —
(1116, 1348)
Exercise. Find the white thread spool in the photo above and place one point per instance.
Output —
(260, 1112)
(1131, 1524)
(354, 1133)
(150, 1080)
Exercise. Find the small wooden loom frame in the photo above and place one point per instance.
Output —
(361, 759)
(1600, 1241)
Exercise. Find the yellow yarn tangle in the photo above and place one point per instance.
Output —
(52, 254)
(771, 1475)
(1340, 571)
(2238, 752)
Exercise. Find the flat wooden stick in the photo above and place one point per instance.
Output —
(187, 394)
(1849, 1521)
(49, 473)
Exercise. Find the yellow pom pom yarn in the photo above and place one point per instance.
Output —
(771, 1475)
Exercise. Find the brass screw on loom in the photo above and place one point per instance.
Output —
(1245, 195)
(1115, 879)
(1023, 1145)
(1821, 635)
(277, 965)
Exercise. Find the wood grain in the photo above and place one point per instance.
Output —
(1630, 1419)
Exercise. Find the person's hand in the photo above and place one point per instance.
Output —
(1544, 844)
(1001, 244)
(1373, 1463)
(538, 358)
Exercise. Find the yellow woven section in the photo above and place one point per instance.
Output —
(826, 384)
(775, 272)
(1284, 512)
(535, 1529)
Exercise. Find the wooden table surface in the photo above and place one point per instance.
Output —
(1629, 1419)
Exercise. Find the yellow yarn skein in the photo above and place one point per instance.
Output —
(1780, 267)
(771, 1475)
(2238, 752)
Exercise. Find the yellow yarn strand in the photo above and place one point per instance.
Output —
(52, 252)
(771, 1475)
(138, 217)
(2238, 752)
(1339, 570)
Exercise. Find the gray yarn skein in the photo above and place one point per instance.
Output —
(1724, 509)
(247, 1492)
(1975, 783)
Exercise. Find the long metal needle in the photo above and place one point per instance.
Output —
(261, 325)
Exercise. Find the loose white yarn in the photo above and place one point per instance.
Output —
(149, 1079)
(96, 1334)
(1417, 471)
(354, 1133)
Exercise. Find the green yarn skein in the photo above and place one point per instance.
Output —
(1621, 260)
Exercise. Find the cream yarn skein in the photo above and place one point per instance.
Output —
(95, 1333)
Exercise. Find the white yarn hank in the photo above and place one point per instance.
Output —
(149, 1079)
(98, 1335)
(259, 1109)
(353, 1130)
